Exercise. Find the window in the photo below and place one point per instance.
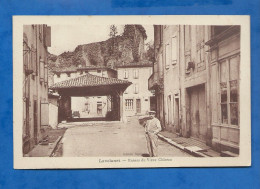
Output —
(167, 56)
(187, 37)
(40, 32)
(169, 109)
(42, 65)
(129, 104)
(223, 89)
(200, 46)
(46, 74)
(199, 34)
(98, 71)
(58, 75)
(136, 88)
(200, 56)
(229, 74)
(187, 47)
(68, 74)
(136, 73)
(126, 74)
(27, 59)
(161, 34)
(174, 50)
(33, 60)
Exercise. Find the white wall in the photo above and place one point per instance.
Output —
(79, 104)
(53, 115)
(143, 93)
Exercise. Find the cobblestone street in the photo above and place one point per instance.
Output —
(113, 139)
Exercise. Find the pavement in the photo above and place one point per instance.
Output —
(189, 145)
(114, 139)
(48, 145)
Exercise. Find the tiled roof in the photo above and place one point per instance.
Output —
(135, 64)
(74, 69)
(65, 69)
(89, 80)
(92, 67)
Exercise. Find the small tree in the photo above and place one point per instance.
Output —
(150, 51)
(113, 31)
(112, 34)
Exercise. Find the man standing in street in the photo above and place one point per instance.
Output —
(152, 128)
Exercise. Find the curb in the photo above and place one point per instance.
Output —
(55, 145)
(175, 144)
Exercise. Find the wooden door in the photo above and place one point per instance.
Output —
(176, 115)
(138, 105)
(198, 124)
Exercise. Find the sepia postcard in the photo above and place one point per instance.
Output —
(131, 91)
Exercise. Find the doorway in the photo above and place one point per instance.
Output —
(177, 115)
(99, 108)
(138, 106)
(198, 126)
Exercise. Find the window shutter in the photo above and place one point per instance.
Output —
(126, 74)
(174, 50)
(33, 60)
(48, 36)
(167, 60)
(46, 74)
(42, 65)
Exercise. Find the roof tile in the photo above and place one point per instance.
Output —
(89, 80)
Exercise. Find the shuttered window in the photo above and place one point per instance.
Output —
(126, 74)
(136, 88)
(167, 56)
(33, 60)
(42, 70)
(174, 50)
(27, 59)
(46, 74)
(136, 73)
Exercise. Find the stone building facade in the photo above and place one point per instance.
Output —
(197, 74)
(137, 98)
(36, 40)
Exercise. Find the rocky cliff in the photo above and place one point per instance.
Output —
(126, 48)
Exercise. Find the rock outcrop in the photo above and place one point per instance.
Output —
(126, 48)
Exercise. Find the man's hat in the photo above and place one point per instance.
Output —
(152, 112)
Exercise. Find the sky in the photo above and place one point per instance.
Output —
(68, 37)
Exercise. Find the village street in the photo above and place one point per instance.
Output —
(113, 139)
